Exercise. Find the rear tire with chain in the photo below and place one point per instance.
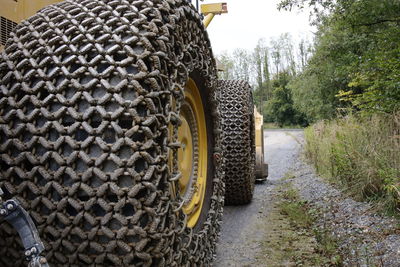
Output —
(92, 96)
(238, 140)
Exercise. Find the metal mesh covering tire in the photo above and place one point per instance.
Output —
(90, 97)
(238, 144)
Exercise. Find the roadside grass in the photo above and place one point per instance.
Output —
(361, 155)
(293, 239)
(328, 245)
(288, 176)
(295, 209)
(302, 216)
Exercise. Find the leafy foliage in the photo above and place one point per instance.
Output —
(280, 107)
(356, 60)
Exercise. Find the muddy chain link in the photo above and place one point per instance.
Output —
(88, 92)
(238, 140)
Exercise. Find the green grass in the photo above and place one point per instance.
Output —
(292, 238)
(295, 209)
(362, 155)
(328, 245)
(288, 176)
(302, 216)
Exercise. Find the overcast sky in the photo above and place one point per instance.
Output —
(249, 20)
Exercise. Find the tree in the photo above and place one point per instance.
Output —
(261, 65)
(355, 61)
(283, 54)
(262, 68)
(227, 64)
(267, 75)
(305, 50)
(242, 64)
(276, 55)
(280, 107)
(258, 55)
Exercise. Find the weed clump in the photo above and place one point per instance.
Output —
(361, 154)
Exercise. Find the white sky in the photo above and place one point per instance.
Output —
(249, 20)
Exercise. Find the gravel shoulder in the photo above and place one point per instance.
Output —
(364, 237)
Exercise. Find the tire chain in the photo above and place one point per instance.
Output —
(238, 144)
(89, 91)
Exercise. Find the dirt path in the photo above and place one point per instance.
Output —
(242, 232)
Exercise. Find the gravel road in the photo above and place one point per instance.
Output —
(241, 233)
(364, 237)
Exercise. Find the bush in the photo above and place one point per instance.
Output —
(361, 154)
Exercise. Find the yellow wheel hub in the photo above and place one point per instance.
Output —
(192, 155)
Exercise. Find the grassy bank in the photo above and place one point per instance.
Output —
(360, 154)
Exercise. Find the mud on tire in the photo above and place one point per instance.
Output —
(238, 144)
(90, 96)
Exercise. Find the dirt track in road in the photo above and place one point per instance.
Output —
(242, 231)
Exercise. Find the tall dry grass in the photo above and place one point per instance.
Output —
(360, 154)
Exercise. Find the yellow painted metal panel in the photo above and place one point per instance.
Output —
(193, 207)
(33, 6)
(13, 12)
(22, 9)
(258, 119)
(216, 8)
(10, 9)
(207, 20)
(261, 167)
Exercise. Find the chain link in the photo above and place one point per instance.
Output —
(238, 140)
(88, 91)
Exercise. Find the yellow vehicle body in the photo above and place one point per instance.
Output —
(210, 10)
(13, 12)
(261, 167)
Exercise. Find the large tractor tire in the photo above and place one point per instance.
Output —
(237, 113)
(109, 134)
